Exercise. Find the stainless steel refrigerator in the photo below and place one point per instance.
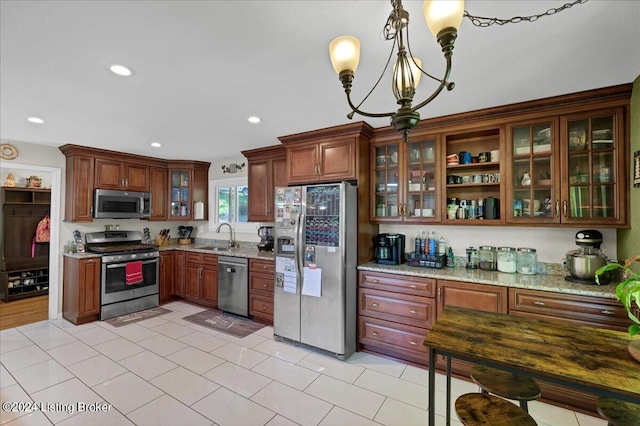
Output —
(315, 281)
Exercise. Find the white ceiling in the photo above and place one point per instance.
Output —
(202, 67)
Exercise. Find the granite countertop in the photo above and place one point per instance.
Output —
(551, 282)
(251, 253)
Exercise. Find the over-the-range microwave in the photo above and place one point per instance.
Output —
(111, 204)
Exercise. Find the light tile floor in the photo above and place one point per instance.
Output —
(166, 371)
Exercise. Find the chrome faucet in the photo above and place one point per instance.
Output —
(232, 241)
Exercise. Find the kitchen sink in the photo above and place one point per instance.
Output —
(214, 248)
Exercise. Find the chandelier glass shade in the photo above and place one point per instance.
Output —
(443, 18)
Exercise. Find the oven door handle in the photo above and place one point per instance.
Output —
(120, 265)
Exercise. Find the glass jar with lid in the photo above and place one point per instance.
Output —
(526, 261)
(507, 259)
(472, 258)
(487, 256)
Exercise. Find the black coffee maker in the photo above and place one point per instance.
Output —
(266, 238)
(389, 248)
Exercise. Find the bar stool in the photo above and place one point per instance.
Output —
(618, 413)
(476, 409)
(506, 385)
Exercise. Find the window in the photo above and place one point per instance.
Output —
(229, 203)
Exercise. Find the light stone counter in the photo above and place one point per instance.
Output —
(82, 255)
(555, 283)
(243, 251)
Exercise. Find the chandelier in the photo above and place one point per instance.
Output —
(443, 18)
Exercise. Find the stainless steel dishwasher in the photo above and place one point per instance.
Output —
(233, 285)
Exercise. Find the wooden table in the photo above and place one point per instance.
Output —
(586, 358)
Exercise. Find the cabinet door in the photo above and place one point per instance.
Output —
(166, 275)
(180, 190)
(136, 177)
(337, 160)
(421, 181)
(79, 189)
(192, 282)
(594, 168)
(302, 164)
(109, 174)
(179, 273)
(209, 284)
(158, 188)
(89, 287)
(386, 182)
(533, 194)
(260, 188)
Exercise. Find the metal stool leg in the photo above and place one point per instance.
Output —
(524, 406)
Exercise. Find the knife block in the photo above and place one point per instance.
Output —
(160, 241)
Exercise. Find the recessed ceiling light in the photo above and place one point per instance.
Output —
(254, 119)
(156, 144)
(36, 120)
(120, 70)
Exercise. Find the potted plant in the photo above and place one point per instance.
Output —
(628, 292)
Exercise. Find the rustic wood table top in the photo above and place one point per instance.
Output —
(583, 357)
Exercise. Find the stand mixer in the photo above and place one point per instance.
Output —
(583, 263)
(266, 238)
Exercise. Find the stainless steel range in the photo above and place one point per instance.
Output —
(129, 274)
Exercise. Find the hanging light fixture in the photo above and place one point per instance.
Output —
(443, 18)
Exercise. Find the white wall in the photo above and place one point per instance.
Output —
(551, 244)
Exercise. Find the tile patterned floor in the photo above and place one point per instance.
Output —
(165, 371)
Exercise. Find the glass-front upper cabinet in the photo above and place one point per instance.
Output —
(405, 180)
(593, 160)
(386, 181)
(180, 194)
(420, 180)
(532, 194)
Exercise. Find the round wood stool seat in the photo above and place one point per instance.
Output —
(506, 385)
(618, 413)
(481, 409)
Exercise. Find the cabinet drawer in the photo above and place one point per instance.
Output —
(261, 282)
(407, 309)
(205, 259)
(259, 265)
(580, 309)
(392, 336)
(398, 283)
(261, 306)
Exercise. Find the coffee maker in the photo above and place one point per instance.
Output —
(389, 248)
(266, 238)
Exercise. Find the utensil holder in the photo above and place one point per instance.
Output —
(184, 241)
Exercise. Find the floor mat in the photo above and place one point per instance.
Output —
(137, 316)
(226, 323)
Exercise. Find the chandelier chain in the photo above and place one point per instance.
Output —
(483, 22)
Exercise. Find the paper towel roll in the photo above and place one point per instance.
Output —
(198, 210)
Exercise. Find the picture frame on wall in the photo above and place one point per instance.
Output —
(636, 169)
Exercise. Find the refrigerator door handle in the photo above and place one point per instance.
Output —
(299, 252)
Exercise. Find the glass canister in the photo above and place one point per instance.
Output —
(487, 256)
(507, 259)
(526, 261)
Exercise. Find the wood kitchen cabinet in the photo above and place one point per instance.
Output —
(405, 179)
(395, 314)
(79, 185)
(569, 169)
(188, 184)
(328, 155)
(166, 278)
(121, 175)
(81, 289)
(266, 169)
(261, 279)
(158, 185)
(179, 273)
(201, 279)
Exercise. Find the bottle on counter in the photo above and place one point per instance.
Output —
(450, 258)
(433, 242)
(442, 249)
(417, 244)
(423, 243)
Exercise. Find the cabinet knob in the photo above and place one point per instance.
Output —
(557, 208)
(375, 333)
(265, 285)
(413, 311)
(374, 280)
(413, 286)
(264, 307)
(414, 343)
(607, 312)
(538, 303)
(564, 208)
(374, 304)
